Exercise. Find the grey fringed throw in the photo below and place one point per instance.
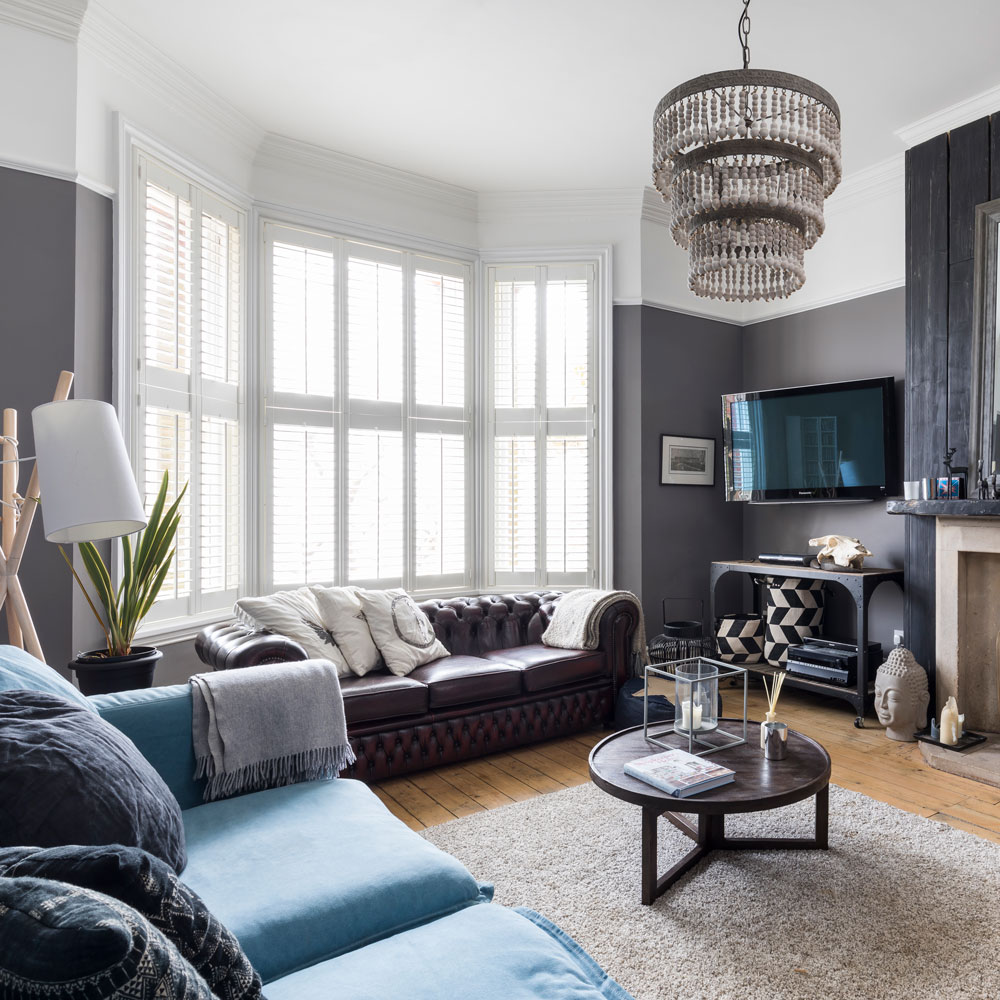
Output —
(576, 620)
(261, 727)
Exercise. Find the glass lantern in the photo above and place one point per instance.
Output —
(696, 698)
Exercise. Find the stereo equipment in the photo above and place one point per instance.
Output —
(785, 558)
(818, 672)
(830, 660)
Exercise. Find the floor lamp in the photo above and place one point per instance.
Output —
(90, 491)
(18, 513)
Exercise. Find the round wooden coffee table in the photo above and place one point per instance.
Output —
(760, 784)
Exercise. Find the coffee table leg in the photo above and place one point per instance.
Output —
(649, 818)
(823, 818)
(653, 885)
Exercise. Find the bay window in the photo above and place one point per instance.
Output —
(375, 427)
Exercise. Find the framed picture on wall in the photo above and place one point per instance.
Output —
(687, 461)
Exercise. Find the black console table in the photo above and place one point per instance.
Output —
(860, 585)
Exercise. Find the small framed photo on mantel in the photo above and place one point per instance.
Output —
(687, 461)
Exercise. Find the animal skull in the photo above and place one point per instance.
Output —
(841, 550)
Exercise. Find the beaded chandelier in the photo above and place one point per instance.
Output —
(745, 159)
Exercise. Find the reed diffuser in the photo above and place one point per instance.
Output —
(772, 693)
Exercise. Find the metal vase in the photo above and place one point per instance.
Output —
(775, 740)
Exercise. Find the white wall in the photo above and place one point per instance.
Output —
(543, 219)
(117, 71)
(38, 104)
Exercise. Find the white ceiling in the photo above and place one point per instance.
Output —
(556, 94)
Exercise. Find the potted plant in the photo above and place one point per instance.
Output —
(121, 666)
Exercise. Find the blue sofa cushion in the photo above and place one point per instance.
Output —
(485, 951)
(150, 887)
(21, 671)
(302, 873)
(59, 940)
(69, 777)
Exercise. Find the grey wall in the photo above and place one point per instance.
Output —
(55, 291)
(670, 370)
(859, 338)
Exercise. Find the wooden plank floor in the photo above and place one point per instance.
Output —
(863, 760)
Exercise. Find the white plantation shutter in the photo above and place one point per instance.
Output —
(168, 448)
(440, 497)
(191, 329)
(303, 504)
(376, 495)
(541, 415)
(567, 504)
(515, 505)
(440, 333)
(370, 478)
(219, 498)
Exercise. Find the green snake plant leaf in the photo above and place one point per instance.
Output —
(146, 563)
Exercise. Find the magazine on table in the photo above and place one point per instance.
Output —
(679, 773)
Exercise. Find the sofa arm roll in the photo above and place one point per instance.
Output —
(232, 644)
(616, 630)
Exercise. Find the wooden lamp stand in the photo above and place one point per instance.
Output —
(18, 513)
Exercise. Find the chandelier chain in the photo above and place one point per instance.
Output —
(744, 32)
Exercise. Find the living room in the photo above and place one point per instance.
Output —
(541, 448)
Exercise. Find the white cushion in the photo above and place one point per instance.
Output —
(340, 612)
(402, 632)
(295, 615)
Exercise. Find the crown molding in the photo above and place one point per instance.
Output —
(776, 311)
(654, 208)
(280, 153)
(59, 18)
(884, 179)
(119, 47)
(494, 206)
(969, 110)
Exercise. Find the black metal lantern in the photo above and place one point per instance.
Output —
(681, 639)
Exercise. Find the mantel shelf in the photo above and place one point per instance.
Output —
(945, 508)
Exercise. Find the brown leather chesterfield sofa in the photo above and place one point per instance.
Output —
(500, 687)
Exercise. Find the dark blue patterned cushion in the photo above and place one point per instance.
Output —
(69, 777)
(149, 886)
(61, 941)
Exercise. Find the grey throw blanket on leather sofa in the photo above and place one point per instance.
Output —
(576, 620)
(275, 724)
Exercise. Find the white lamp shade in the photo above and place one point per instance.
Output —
(87, 488)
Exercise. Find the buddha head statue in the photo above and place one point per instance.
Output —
(901, 696)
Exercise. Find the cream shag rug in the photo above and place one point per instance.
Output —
(899, 908)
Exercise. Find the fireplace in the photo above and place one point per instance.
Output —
(968, 638)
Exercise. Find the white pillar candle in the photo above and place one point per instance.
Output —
(687, 711)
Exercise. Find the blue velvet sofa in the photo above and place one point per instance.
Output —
(329, 894)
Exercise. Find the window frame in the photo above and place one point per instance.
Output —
(411, 417)
(172, 621)
(600, 405)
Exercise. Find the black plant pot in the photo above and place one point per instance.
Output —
(99, 673)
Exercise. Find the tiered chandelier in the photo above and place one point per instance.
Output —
(745, 159)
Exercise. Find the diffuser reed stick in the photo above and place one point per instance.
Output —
(772, 693)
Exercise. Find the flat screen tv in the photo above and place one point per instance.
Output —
(816, 442)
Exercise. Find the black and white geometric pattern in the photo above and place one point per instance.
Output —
(740, 638)
(794, 613)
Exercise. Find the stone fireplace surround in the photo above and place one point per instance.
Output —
(967, 600)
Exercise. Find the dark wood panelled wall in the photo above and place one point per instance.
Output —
(946, 177)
